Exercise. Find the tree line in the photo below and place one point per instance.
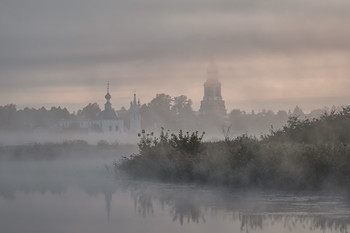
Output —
(162, 111)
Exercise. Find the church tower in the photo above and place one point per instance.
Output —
(212, 103)
(135, 119)
(108, 105)
(107, 120)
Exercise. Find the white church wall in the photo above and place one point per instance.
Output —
(112, 126)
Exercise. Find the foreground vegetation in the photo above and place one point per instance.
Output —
(303, 154)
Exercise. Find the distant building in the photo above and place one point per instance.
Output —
(135, 119)
(108, 121)
(212, 103)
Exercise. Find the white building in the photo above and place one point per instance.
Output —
(107, 121)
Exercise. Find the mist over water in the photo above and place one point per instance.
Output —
(86, 194)
(55, 183)
(45, 136)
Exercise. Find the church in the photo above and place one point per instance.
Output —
(212, 103)
(108, 121)
(123, 121)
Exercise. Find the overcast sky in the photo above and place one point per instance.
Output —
(271, 54)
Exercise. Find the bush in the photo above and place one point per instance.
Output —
(305, 154)
(167, 157)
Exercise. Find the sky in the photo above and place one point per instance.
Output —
(270, 54)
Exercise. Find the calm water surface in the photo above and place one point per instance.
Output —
(83, 196)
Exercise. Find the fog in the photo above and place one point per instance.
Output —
(75, 186)
(174, 116)
(271, 55)
(49, 136)
(86, 194)
(57, 124)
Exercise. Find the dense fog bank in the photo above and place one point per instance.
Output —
(66, 150)
(10, 137)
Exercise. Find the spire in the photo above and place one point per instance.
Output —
(135, 121)
(135, 99)
(108, 97)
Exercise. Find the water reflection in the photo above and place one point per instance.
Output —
(143, 203)
(181, 204)
(312, 212)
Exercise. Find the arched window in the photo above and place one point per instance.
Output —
(116, 128)
(110, 128)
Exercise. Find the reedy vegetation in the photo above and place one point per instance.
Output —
(303, 154)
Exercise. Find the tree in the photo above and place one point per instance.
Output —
(161, 103)
(8, 116)
(235, 113)
(182, 106)
(90, 111)
(160, 109)
(298, 112)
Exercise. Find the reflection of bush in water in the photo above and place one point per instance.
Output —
(250, 222)
(144, 205)
(290, 222)
(181, 206)
(186, 209)
(193, 206)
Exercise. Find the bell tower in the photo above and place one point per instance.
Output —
(108, 105)
(212, 103)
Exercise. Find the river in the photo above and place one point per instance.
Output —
(86, 195)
